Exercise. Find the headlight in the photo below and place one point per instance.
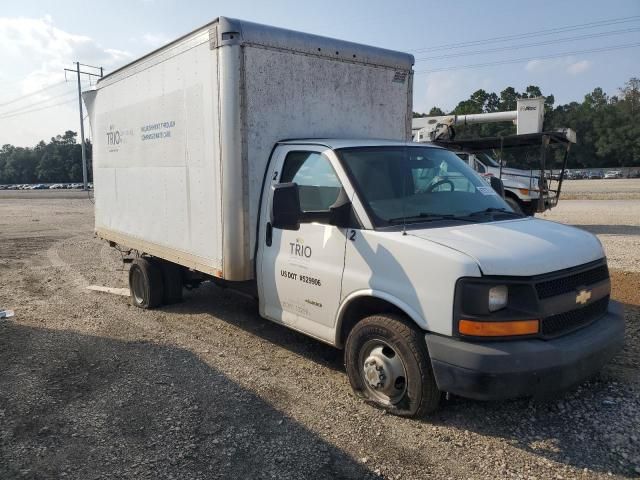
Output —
(498, 297)
(495, 307)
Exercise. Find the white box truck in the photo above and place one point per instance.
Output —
(239, 154)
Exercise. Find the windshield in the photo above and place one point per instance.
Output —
(487, 160)
(415, 184)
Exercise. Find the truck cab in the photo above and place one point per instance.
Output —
(521, 189)
(403, 255)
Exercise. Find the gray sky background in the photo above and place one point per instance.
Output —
(40, 38)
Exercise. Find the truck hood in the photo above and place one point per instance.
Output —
(520, 247)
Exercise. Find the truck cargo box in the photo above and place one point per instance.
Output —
(182, 136)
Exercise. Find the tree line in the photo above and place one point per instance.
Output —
(607, 126)
(59, 161)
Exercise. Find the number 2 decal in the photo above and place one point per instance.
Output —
(352, 235)
(275, 176)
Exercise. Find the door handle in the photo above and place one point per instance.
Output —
(269, 234)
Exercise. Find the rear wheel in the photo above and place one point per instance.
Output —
(172, 282)
(145, 283)
(388, 365)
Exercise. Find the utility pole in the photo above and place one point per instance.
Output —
(84, 150)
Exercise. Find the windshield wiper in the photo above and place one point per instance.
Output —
(429, 217)
(494, 210)
(424, 216)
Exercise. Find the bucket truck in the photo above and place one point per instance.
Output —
(525, 191)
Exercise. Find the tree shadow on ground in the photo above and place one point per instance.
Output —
(89, 407)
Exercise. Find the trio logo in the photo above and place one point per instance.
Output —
(117, 137)
(113, 136)
(299, 249)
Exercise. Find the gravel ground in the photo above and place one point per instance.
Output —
(615, 222)
(93, 388)
(609, 189)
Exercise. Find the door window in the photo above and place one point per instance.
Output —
(317, 182)
(480, 167)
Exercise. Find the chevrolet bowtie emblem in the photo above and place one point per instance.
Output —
(583, 296)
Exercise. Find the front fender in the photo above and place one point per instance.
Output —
(403, 306)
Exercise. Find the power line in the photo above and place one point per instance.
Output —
(550, 31)
(526, 59)
(40, 102)
(17, 99)
(527, 45)
(37, 109)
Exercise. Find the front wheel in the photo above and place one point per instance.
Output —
(514, 204)
(388, 365)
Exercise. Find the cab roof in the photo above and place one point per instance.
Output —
(338, 143)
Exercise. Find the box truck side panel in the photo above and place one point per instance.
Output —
(297, 95)
(156, 144)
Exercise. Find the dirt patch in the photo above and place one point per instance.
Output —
(625, 287)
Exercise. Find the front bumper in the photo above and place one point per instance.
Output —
(549, 200)
(523, 368)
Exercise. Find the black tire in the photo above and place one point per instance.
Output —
(514, 204)
(419, 395)
(145, 283)
(530, 210)
(172, 282)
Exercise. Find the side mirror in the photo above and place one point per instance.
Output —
(497, 185)
(341, 211)
(285, 206)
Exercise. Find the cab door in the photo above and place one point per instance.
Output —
(300, 271)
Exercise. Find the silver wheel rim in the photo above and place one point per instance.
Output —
(383, 372)
(137, 286)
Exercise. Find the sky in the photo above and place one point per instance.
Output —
(38, 39)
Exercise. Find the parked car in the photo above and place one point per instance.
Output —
(595, 174)
(613, 174)
(556, 175)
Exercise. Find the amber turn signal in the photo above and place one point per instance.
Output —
(498, 329)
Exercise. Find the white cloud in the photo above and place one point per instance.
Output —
(567, 64)
(38, 52)
(37, 44)
(579, 67)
